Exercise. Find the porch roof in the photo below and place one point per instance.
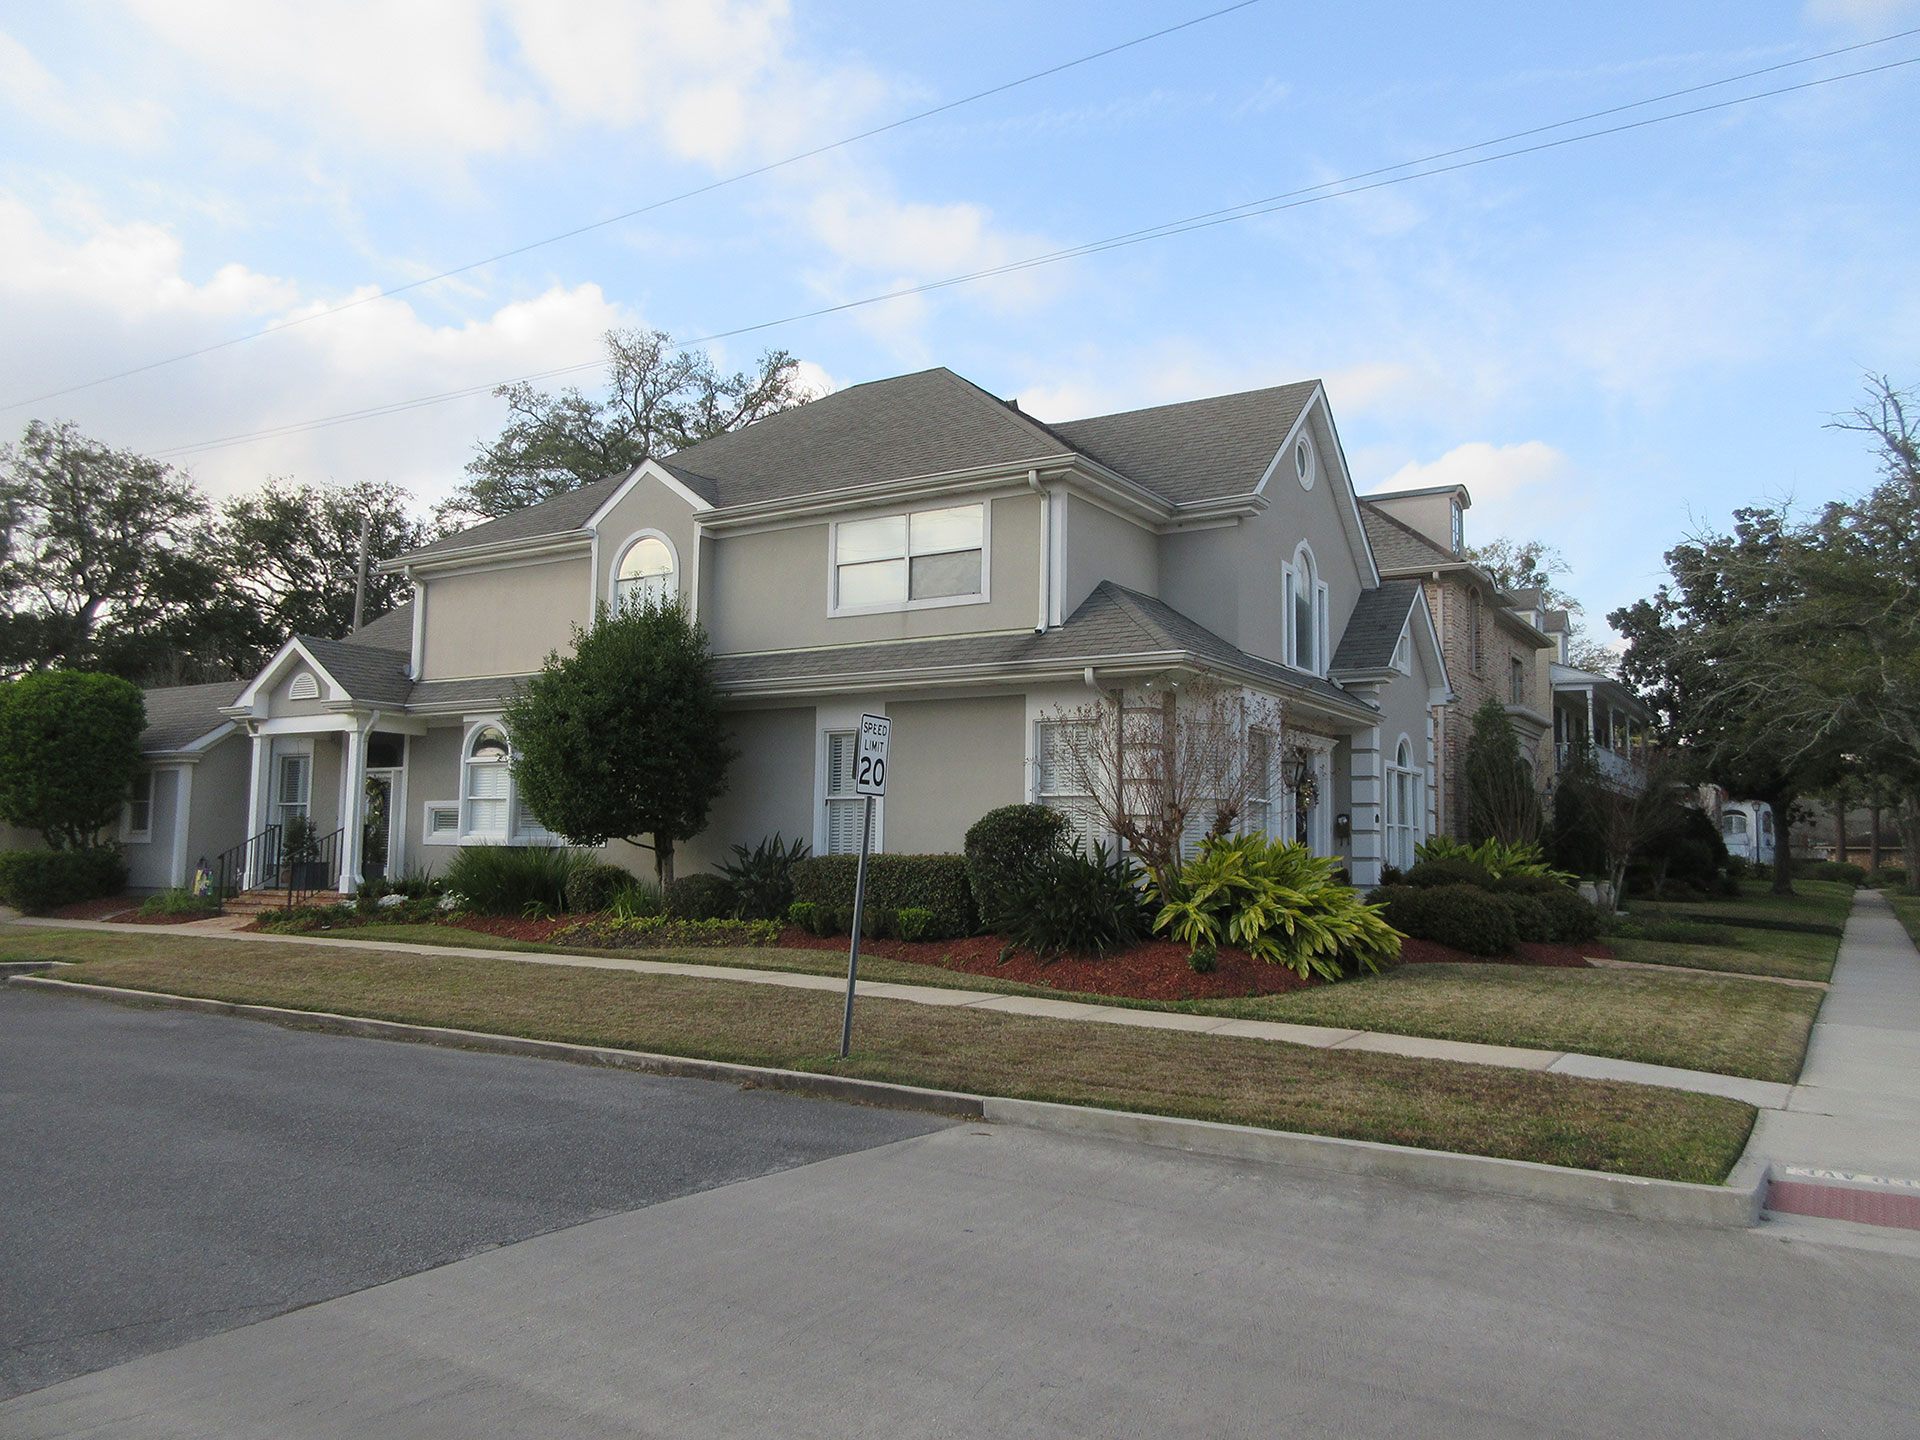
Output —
(366, 672)
(178, 715)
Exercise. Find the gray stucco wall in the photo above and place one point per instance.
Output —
(769, 788)
(150, 862)
(948, 763)
(505, 620)
(1102, 546)
(221, 785)
(771, 590)
(433, 774)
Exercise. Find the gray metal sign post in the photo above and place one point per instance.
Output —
(870, 780)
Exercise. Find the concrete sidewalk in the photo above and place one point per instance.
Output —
(1766, 1095)
(1847, 1144)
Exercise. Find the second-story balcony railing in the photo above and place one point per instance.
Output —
(1625, 770)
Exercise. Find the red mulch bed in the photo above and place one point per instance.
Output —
(117, 907)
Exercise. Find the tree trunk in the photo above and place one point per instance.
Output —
(663, 861)
(1782, 844)
(1873, 838)
(1840, 828)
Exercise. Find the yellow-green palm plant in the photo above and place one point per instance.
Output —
(1495, 857)
(1276, 900)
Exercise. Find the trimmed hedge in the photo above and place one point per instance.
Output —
(1453, 870)
(1845, 871)
(936, 883)
(700, 897)
(1461, 917)
(1572, 918)
(1005, 846)
(593, 886)
(36, 881)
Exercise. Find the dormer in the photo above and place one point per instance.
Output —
(1437, 513)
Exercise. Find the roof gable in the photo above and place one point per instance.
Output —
(1398, 546)
(1197, 449)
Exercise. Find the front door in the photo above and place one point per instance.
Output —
(376, 836)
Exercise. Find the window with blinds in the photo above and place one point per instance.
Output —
(489, 787)
(1058, 783)
(1259, 812)
(896, 561)
(846, 811)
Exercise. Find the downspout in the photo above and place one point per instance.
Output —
(1046, 548)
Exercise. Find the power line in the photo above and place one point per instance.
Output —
(1246, 210)
(647, 208)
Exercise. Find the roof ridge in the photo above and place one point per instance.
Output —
(1010, 411)
(1197, 400)
(1128, 602)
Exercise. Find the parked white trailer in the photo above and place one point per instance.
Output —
(1747, 827)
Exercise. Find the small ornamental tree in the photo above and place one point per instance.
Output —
(69, 749)
(1502, 803)
(623, 739)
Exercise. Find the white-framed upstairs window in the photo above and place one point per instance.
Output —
(486, 794)
(1304, 601)
(137, 824)
(900, 562)
(647, 573)
(1060, 749)
(1403, 653)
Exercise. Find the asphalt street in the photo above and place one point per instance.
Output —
(976, 1280)
(164, 1176)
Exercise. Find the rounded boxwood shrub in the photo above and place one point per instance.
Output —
(1453, 870)
(1004, 846)
(700, 897)
(591, 888)
(1531, 922)
(1461, 917)
(1529, 885)
(1572, 917)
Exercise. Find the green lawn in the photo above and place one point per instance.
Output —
(1731, 1026)
(1907, 908)
(1818, 901)
(1760, 952)
(1484, 1110)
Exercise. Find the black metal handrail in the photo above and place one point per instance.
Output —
(230, 869)
(317, 868)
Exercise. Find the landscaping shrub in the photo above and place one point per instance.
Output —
(1072, 902)
(651, 930)
(1004, 845)
(303, 918)
(1203, 960)
(1499, 859)
(1687, 852)
(639, 901)
(1450, 870)
(178, 904)
(591, 887)
(700, 897)
(1572, 918)
(504, 879)
(1461, 917)
(762, 878)
(913, 923)
(36, 881)
(1739, 867)
(1278, 901)
(1844, 871)
(1531, 921)
(69, 752)
(894, 882)
(1527, 885)
(803, 914)
(1887, 877)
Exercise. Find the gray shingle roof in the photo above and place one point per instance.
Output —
(368, 672)
(178, 715)
(391, 631)
(1400, 547)
(489, 690)
(1373, 630)
(1113, 623)
(563, 513)
(1198, 449)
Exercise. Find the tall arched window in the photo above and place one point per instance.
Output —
(1305, 603)
(1404, 808)
(646, 573)
(1473, 631)
(488, 791)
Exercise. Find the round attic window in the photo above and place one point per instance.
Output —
(1303, 462)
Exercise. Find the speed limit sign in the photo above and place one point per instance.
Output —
(870, 762)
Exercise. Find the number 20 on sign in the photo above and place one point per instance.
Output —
(869, 779)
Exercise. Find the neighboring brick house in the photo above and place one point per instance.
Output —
(1491, 641)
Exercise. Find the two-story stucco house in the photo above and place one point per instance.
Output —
(914, 546)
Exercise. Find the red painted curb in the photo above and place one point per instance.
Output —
(1897, 1210)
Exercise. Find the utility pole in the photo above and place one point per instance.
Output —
(360, 578)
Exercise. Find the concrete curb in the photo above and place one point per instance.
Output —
(1734, 1205)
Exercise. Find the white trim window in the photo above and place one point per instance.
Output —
(1403, 653)
(487, 785)
(293, 788)
(646, 573)
(1059, 782)
(899, 562)
(1303, 462)
(1304, 607)
(1260, 775)
(846, 810)
(137, 824)
(1405, 820)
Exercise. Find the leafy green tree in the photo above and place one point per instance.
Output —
(1502, 802)
(69, 749)
(1536, 565)
(103, 556)
(624, 738)
(659, 399)
(289, 553)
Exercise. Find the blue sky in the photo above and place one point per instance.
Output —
(1607, 342)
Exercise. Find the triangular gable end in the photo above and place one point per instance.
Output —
(1350, 520)
(653, 470)
(1427, 638)
(253, 699)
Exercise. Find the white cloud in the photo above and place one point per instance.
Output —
(1493, 474)
(37, 93)
(1859, 14)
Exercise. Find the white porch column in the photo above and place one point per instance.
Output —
(1366, 815)
(259, 796)
(354, 823)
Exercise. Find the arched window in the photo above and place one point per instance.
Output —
(1404, 807)
(488, 791)
(646, 573)
(1473, 631)
(1734, 823)
(1305, 601)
